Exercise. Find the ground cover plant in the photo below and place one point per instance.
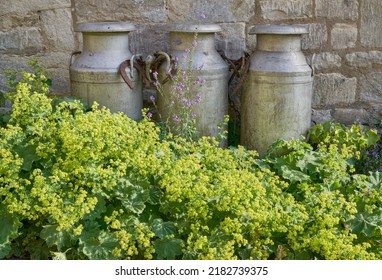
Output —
(78, 183)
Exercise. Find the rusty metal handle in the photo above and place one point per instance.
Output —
(72, 55)
(240, 68)
(128, 78)
(149, 61)
(125, 76)
(168, 61)
(311, 64)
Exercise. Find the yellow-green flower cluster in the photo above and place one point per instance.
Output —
(98, 185)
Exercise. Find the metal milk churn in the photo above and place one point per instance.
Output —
(208, 78)
(95, 73)
(276, 101)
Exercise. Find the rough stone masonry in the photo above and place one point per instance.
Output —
(345, 40)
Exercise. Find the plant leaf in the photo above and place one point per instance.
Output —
(133, 198)
(293, 175)
(163, 229)
(38, 250)
(367, 224)
(58, 256)
(28, 154)
(155, 194)
(168, 249)
(53, 237)
(9, 226)
(98, 245)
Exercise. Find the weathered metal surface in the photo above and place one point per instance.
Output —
(207, 64)
(276, 102)
(95, 74)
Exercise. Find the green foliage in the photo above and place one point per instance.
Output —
(88, 184)
(356, 139)
(323, 179)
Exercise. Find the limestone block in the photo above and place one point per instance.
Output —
(321, 116)
(349, 116)
(232, 39)
(326, 60)
(371, 23)
(317, 37)
(364, 59)
(333, 89)
(337, 9)
(376, 57)
(57, 63)
(57, 29)
(25, 6)
(375, 112)
(13, 21)
(359, 59)
(148, 39)
(344, 36)
(121, 10)
(371, 87)
(281, 9)
(25, 41)
(214, 11)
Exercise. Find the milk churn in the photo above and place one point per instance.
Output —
(95, 72)
(209, 77)
(276, 101)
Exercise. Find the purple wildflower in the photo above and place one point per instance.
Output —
(175, 118)
(149, 115)
(155, 74)
(187, 102)
(152, 98)
(199, 80)
(197, 99)
(194, 44)
(180, 86)
(176, 61)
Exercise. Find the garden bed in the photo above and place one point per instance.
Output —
(89, 184)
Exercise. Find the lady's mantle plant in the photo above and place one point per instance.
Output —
(96, 185)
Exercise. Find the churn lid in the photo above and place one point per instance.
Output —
(105, 27)
(199, 28)
(279, 29)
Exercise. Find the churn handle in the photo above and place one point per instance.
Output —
(74, 54)
(168, 60)
(129, 79)
(311, 65)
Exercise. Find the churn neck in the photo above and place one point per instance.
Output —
(278, 38)
(105, 36)
(182, 36)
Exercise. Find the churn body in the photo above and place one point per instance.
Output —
(209, 69)
(95, 74)
(276, 101)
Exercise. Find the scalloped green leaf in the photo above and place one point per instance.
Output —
(28, 154)
(52, 237)
(155, 194)
(168, 249)
(367, 224)
(98, 245)
(163, 229)
(9, 226)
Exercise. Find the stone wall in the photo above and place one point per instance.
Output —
(344, 43)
